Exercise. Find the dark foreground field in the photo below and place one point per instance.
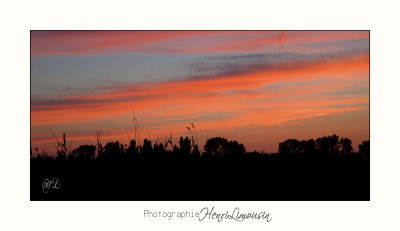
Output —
(156, 174)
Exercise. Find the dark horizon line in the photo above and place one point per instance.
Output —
(171, 148)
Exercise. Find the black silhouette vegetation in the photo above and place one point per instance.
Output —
(327, 168)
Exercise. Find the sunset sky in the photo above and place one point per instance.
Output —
(257, 87)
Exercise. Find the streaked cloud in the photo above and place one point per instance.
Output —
(106, 42)
(240, 84)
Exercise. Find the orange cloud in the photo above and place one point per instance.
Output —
(183, 92)
(226, 102)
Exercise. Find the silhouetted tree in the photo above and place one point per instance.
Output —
(216, 146)
(233, 148)
(308, 147)
(290, 147)
(364, 149)
(84, 152)
(328, 145)
(345, 147)
(219, 146)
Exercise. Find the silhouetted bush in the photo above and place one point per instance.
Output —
(112, 150)
(84, 152)
(159, 150)
(147, 149)
(132, 151)
(185, 146)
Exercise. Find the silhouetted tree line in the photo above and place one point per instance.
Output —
(217, 147)
(326, 168)
(327, 146)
